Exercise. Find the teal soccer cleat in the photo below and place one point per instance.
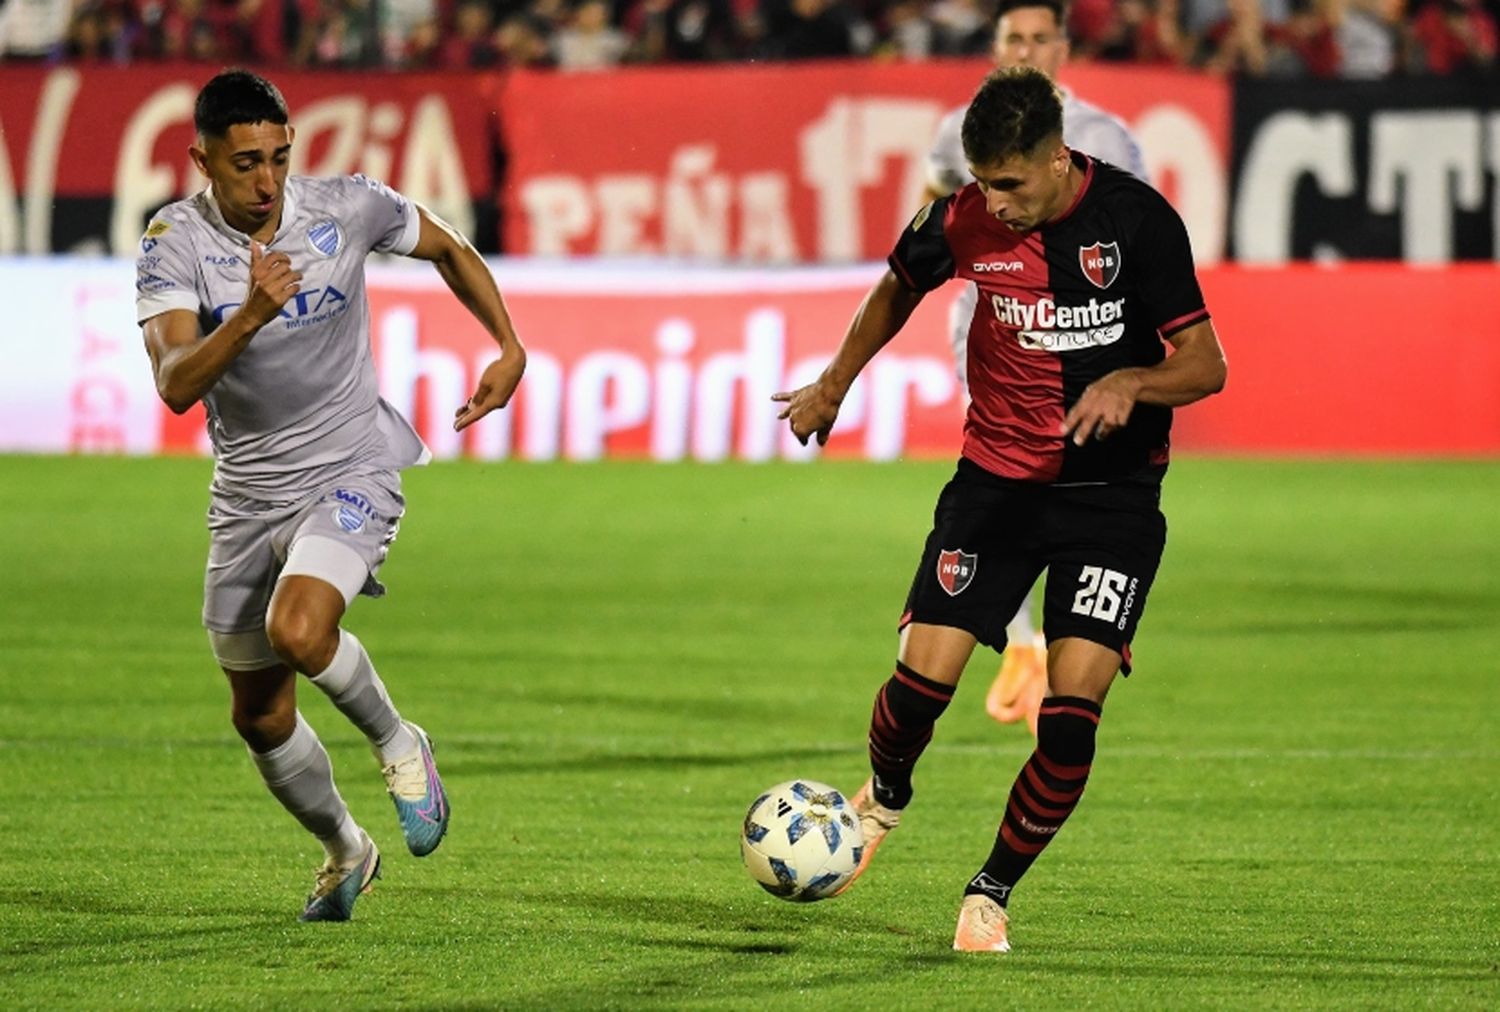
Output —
(417, 791)
(337, 888)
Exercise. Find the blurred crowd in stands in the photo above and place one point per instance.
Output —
(1277, 38)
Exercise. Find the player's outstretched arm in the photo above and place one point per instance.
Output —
(811, 410)
(186, 363)
(465, 273)
(1195, 369)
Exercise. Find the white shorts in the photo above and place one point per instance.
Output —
(341, 533)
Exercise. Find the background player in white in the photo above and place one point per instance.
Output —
(1028, 33)
(251, 295)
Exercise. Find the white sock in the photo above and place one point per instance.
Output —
(299, 775)
(351, 682)
(347, 846)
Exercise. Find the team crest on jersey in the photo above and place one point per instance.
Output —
(956, 569)
(325, 237)
(1100, 263)
(349, 519)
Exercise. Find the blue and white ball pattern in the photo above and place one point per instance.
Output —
(801, 840)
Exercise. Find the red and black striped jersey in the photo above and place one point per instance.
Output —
(1095, 290)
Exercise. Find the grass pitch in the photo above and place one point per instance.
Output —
(1296, 800)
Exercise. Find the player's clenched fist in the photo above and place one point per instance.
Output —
(272, 283)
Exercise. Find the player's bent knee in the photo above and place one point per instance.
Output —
(301, 639)
(1067, 730)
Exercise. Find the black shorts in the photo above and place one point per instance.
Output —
(992, 537)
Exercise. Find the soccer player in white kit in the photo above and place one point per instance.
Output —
(1028, 33)
(251, 296)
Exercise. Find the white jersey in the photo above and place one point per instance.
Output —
(301, 402)
(1086, 128)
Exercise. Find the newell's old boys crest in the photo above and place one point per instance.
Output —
(956, 570)
(1100, 263)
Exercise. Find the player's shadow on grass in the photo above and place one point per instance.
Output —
(754, 924)
(107, 929)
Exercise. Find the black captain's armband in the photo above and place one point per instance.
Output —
(922, 259)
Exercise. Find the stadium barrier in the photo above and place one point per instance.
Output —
(670, 363)
(825, 165)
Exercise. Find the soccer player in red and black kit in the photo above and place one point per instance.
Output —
(1085, 272)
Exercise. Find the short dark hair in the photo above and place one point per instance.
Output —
(1058, 8)
(234, 97)
(1013, 111)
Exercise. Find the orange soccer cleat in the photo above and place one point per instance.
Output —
(1021, 683)
(875, 821)
(982, 926)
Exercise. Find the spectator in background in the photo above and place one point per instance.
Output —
(396, 21)
(471, 44)
(806, 30)
(1145, 31)
(682, 31)
(1454, 36)
(33, 29)
(87, 42)
(1245, 43)
(909, 33)
(1369, 39)
(179, 31)
(522, 42)
(590, 42)
(1311, 34)
(1088, 22)
(550, 16)
(425, 48)
(341, 33)
(1198, 16)
(962, 27)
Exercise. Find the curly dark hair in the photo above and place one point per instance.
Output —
(234, 97)
(1013, 111)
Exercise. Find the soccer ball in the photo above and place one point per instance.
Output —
(801, 841)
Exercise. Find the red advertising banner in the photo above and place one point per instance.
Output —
(1358, 358)
(659, 363)
(87, 153)
(795, 163)
(674, 364)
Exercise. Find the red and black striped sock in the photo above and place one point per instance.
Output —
(906, 708)
(1044, 795)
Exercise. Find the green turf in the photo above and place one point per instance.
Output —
(1296, 803)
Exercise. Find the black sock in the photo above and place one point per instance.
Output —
(1044, 794)
(906, 708)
